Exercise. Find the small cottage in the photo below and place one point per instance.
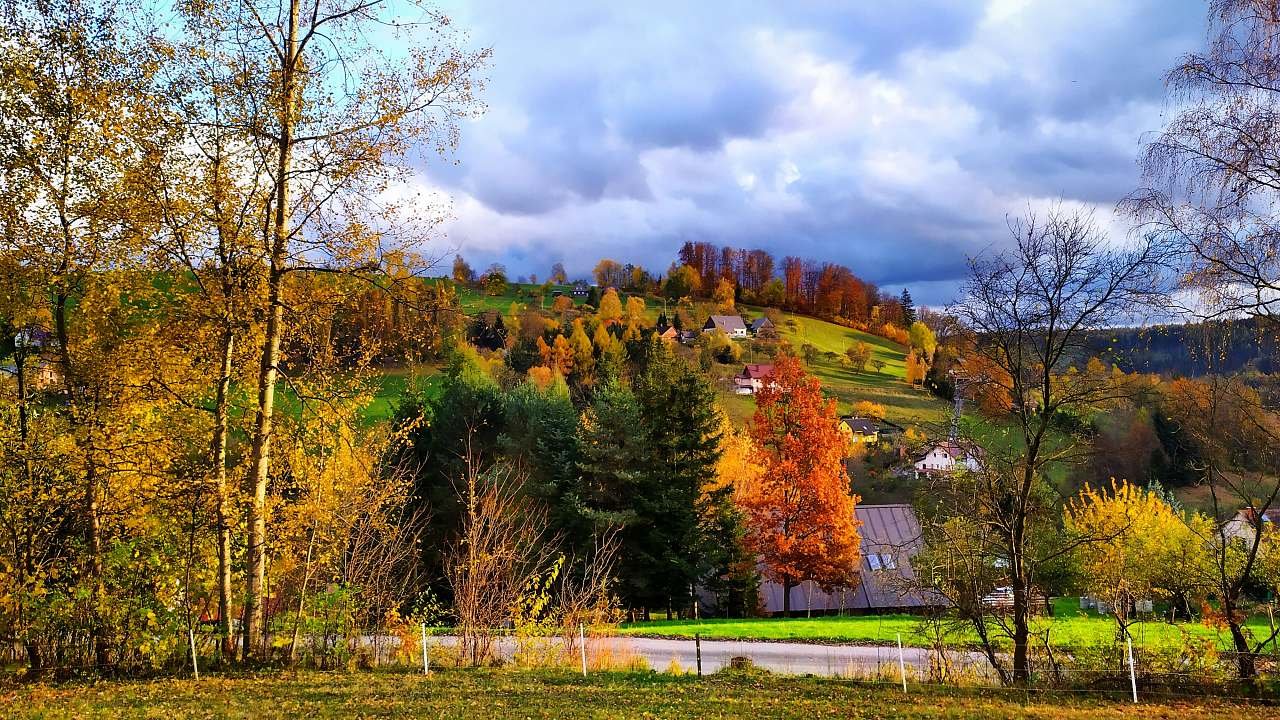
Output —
(947, 457)
(730, 325)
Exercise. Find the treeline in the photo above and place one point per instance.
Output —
(822, 289)
(1190, 350)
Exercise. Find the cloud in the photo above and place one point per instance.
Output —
(894, 140)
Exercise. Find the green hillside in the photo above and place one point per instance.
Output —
(903, 405)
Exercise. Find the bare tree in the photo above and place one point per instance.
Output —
(500, 550)
(1031, 308)
(1238, 443)
(1213, 172)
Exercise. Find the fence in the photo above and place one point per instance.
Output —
(1118, 671)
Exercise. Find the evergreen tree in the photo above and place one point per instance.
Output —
(612, 459)
(593, 297)
(908, 308)
(668, 548)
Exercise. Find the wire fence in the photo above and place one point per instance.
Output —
(1119, 672)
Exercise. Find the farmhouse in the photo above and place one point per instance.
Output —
(890, 537)
(762, 324)
(669, 333)
(860, 429)
(752, 378)
(945, 458)
(579, 289)
(730, 325)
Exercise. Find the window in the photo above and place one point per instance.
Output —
(881, 561)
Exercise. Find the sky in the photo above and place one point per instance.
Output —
(894, 138)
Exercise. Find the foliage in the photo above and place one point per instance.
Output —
(799, 511)
(1138, 548)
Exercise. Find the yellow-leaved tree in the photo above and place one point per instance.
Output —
(1133, 545)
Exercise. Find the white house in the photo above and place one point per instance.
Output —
(752, 378)
(945, 457)
(730, 325)
(1241, 525)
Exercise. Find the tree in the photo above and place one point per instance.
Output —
(923, 341)
(462, 272)
(908, 308)
(337, 131)
(1214, 171)
(1032, 308)
(669, 549)
(494, 280)
(800, 511)
(1237, 442)
(724, 297)
(682, 281)
(868, 409)
(635, 311)
(610, 274)
(83, 131)
(858, 354)
(558, 275)
(916, 369)
(610, 311)
(1137, 548)
(878, 364)
(735, 581)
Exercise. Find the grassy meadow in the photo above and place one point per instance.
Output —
(1069, 628)
(566, 694)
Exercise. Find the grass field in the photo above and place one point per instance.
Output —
(1070, 628)
(564, 694)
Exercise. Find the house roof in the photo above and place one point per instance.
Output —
(1250, 515)
(885, 530)
(726, 323)
(759, 323)
(861, 425)
(669, 332)
(757, 371)
(888, 529)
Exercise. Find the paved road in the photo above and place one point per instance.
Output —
(792, 658)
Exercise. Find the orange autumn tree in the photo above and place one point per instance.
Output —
(799, 511)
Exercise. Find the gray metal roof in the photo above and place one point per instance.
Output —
(885, 530)
(727, 323)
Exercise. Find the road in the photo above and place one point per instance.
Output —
(791, 658)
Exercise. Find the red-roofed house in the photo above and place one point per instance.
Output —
(752, 378)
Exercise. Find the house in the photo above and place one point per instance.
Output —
(669, 333)
(860, 429)
(890, 537)
(762, 324)
(579, 289)
(752, 378)
(557, 293)
(688, 336)
(1240, 527)
(947, 457)
(730, 325)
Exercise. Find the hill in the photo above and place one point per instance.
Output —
(903, 405)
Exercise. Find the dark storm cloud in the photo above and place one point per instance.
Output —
(892, 139)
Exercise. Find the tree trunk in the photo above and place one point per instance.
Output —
(260, 467)
(89, 509)
(1021, 603)
(223, 499)
(786, 596)
(1245, 667)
